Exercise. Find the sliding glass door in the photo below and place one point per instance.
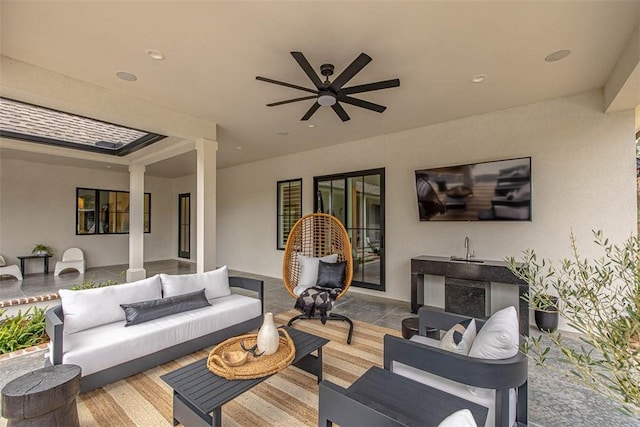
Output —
(357, 199)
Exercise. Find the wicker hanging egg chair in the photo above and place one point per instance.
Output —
(317, 235)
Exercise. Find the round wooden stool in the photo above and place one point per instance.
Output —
(45, 396)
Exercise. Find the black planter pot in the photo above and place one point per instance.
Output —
(546, 321)
(546, 313)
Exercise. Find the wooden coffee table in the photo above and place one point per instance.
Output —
(197, 392)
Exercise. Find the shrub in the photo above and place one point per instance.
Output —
(92, 284)
(22, 330)
(600, 299)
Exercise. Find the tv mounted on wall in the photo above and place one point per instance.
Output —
(487, 191)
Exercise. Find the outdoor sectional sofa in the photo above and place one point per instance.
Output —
(117, 331)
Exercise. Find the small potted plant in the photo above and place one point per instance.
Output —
(546, 312)
(41, 249)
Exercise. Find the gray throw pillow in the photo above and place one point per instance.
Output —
(144, 311)
(331, 274)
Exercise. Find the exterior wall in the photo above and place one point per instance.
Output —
(583, 178)
(38, 206)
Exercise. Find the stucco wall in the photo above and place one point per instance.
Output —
(38, 206)
(583, 177)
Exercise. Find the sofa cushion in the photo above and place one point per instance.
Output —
(109, 345)
(88, 308)
(309, 270)
(214, 282)
(460, 337)
(499, 337)
(331, 274)
(144, 311)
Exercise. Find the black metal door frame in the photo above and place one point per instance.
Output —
(184, 223)
(381, 249)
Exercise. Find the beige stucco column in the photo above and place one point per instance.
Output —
(206, 204)
(136, 269)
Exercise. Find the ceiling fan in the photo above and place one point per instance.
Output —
(329, 93)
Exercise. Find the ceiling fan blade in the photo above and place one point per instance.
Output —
(386, 84)
(312, 110)
(364, 104)
(358, 64)
(264, 79)
(304, 98)
(340, 112)
(306, 67)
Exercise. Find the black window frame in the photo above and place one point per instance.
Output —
(96, 210)
(279, 214)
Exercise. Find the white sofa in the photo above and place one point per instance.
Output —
(163, 318)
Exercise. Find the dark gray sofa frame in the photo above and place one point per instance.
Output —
(500, 375)
(55, 325)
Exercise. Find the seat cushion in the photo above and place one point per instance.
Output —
(109, 345)
(214, 282)
(88, 308)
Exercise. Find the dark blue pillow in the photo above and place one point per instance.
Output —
(144, 311)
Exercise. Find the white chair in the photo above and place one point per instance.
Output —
(71, 258)
(9, 270)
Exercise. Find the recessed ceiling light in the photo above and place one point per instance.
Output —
(557, 55)
(283, 132)
(123, 75)
(155, 54)
(479, 78)
(238, 148)
(108, 166)
(311, 126)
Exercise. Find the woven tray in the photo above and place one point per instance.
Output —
(255, 367)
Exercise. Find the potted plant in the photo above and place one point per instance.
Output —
(601, 302)
(41, 249)
(546, 312)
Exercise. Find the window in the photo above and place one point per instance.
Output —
(106, 212)
(27, 122)
(289, 208)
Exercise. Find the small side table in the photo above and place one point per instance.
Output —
(44, 397)
(410, 328)
(44, 257)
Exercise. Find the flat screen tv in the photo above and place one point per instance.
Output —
(488, 191)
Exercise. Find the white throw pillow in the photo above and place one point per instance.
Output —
(309, 269)
(460, 337)
(499, 337)
(462, 418)
(214, 282)
(89, 308)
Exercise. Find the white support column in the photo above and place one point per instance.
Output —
(206, 204)
(136, 269)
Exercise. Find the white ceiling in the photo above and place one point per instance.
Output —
(214, 50)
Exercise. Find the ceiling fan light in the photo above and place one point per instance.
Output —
(326, 100)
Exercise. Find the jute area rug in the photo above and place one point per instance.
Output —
(289, 398)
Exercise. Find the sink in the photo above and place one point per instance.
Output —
(460, 258)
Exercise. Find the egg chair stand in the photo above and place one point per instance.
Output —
(317, 235)
(331, 316)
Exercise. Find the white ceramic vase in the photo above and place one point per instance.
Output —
(268, 338)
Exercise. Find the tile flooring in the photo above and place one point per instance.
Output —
(553, 401)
